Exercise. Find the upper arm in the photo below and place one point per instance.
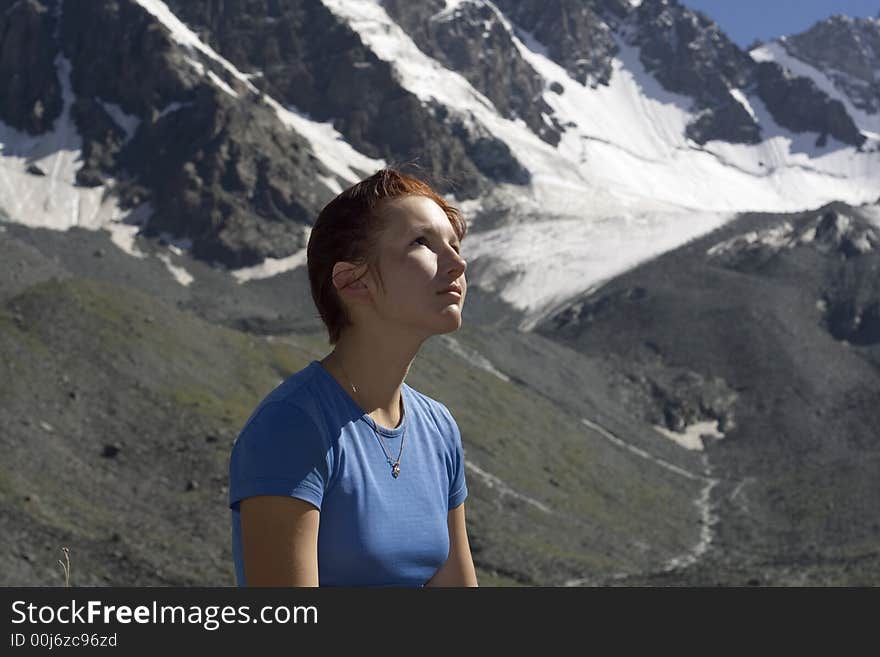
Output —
(458, 570)
(278, 471)
(459, 567)
(279, 539)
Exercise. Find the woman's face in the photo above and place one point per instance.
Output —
(418, 254)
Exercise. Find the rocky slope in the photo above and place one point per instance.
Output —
(768, 330)
(846, 50)
(131, 401)
(706, 418)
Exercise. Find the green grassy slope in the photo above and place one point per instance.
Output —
(119, 411)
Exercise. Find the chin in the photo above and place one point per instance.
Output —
(452, 325)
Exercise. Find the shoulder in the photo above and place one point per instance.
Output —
(296, 390)
(292, 395)
(280, 440)
(288, 407)
(436, 410)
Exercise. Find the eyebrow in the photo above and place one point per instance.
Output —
(433, 231)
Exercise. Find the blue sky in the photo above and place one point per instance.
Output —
(745, 20)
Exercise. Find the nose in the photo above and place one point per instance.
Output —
(459, 264)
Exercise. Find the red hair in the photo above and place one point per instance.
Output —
(348, 229)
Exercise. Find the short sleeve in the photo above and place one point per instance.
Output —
(280, 451)
(457, 484)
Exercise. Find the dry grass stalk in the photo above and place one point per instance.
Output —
(67, 566)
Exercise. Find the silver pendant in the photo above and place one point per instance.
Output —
(395, 470)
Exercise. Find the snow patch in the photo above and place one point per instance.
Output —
(493, 482)
(693, 435)
(836, 230)
(473, 357)
(775, 238)
(125, 229)
(270, 267)
(128, 122)
(871, 212)
(449, 11)
(180, 274)
(188, 39)
(55, 201)
(177, 246)
(741, 98)
(327, 144)
(171, 107)
(536, 266)
(334, 152)
(220, 82)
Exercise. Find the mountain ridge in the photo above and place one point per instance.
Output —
(268, 113)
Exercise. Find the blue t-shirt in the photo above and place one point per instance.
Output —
(309, 439)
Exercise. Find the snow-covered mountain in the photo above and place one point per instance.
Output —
(581, 137)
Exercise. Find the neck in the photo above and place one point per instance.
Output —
(376, 365)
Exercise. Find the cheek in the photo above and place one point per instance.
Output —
(424, 264)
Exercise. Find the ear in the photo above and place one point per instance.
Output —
(349, 283)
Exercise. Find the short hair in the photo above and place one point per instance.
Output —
(349, 228)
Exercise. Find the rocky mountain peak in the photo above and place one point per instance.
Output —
(850, 236)
(576, 34)
(828, 232)
(689, 54)
(230, 124)
(472, 39)
(847, 50)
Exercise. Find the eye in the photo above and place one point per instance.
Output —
(425, 239)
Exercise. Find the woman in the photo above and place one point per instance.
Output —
(344, 475)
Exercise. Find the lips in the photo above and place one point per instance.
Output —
(455, 287)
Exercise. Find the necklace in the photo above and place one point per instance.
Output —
(395, 464)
